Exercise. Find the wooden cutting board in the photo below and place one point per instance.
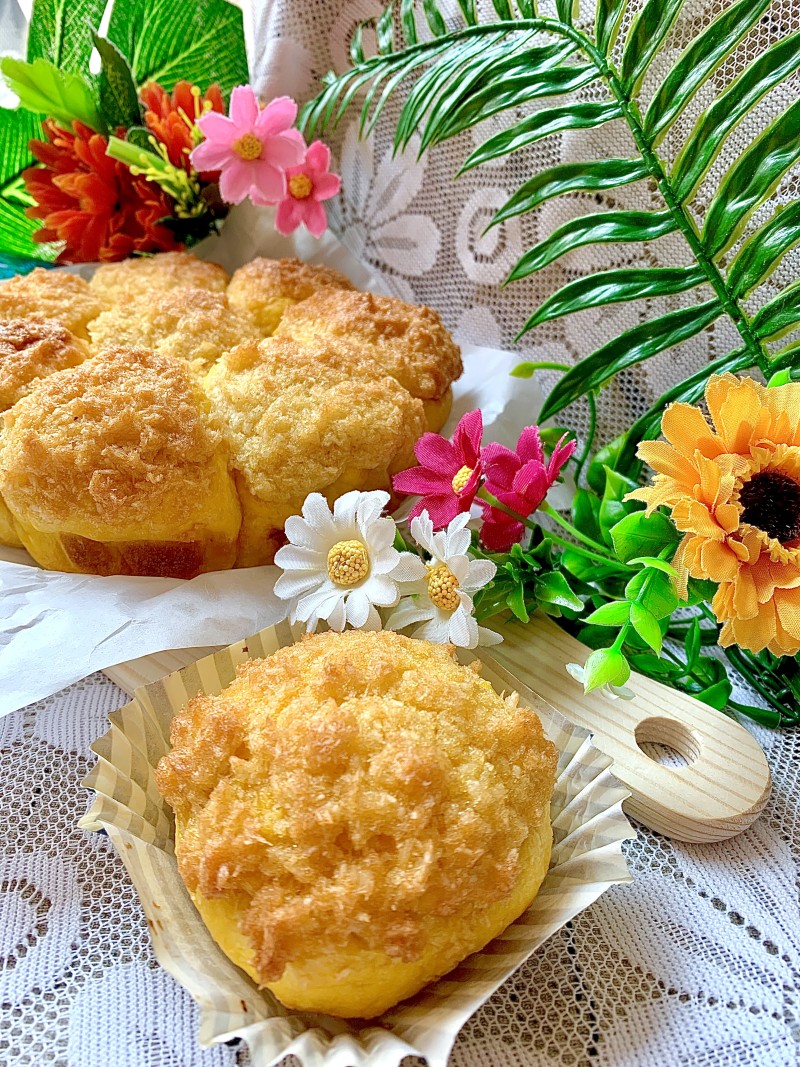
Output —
(720, 790)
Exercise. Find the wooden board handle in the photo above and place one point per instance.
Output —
(726, 782)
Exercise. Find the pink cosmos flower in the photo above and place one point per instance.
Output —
(521, 481)
(251, 147)
(449, 473)
(308, 184)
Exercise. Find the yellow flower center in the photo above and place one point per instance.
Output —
(443, 588)
(348, 563)
(248, 147)
(300, 186)
(461, 478)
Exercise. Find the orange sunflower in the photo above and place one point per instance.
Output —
(734, 491)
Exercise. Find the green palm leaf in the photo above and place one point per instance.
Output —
(475, 70)
(630, 348)
(615, 287)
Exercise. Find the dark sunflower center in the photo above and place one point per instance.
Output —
(771, 502)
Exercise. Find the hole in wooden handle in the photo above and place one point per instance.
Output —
(671, 734)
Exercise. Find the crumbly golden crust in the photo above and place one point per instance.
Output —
(123, 441)
(31, 349)
(409, 342)
(264, 288)
(119, 282)
(194, 325)
(356, 789)
(299, 416)
(51, 294)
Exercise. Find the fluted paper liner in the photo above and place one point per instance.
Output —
(588, 830)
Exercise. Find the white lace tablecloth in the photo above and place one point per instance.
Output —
(695, 963)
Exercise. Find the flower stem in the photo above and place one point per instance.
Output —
(551, 512)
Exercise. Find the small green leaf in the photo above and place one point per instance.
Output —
(119, 101)
(762, 252)
(615, 287)
(630, 348)
(653, 667)
(646, 626)
(779, 315)
(516, 601)
(656, 564)
(602, 227)
(751, 179)
(638, 531)
(692, 643)
(604, 458)
(700, 591)
(616, 613)
(584, 569)
(578, 116)
(698, 62)
(644, 39)
(570, 178)
(654, 591)
(613, 506)
(586, 512)
(605, 667)
(705, 141)
(44, 89)
(552, 587)
(717, 695)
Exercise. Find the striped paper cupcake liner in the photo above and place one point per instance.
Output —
(589, 828)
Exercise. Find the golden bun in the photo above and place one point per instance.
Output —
(115, 467)
(264, 288)
(194, 325)
(118, 282)
(51, 294)
(410, 342)
(32, 349)
(356, 814)
(317, 417)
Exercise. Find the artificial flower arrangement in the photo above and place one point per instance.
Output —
(717, 531)
(125, 163)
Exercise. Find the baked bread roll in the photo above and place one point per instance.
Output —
(31, 349)
(194, 325)
(409, 342)
(117, 283)
(355, 815)
(115, 467)
(264, 288)
(51, 294)
(318, 417)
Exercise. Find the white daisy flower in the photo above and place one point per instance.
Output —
(612, 692)
(340, 566)
(441, 596)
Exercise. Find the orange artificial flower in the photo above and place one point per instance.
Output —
(172, 118)
(734, 491)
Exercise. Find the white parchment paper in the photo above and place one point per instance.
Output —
(56, 628)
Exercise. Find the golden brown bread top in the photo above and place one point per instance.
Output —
(408, 341)
(298, 416)
(118, 282)
(124, 439)
(350, 787)
(190, 324)
(264, 287)
(31, 349)
(51, 294)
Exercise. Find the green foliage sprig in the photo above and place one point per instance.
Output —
(466, 74)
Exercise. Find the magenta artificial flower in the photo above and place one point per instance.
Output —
(449, 473)
(520, 480)
(307, 185)
(252, 147)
